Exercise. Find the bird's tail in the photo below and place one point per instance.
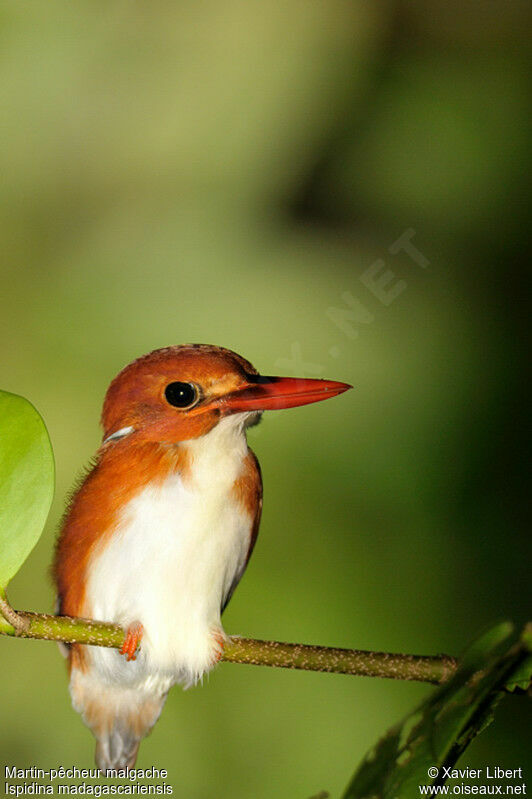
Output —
(120, 717)
(116, 748)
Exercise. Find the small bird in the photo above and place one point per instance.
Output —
(160, 531)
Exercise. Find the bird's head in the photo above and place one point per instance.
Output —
(178, 393)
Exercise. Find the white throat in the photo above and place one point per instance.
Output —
(217, 457)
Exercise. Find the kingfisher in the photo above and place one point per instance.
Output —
(159, 533)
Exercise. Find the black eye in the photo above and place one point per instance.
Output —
(181, 395)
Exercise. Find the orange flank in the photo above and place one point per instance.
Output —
(248, 492)
(121, 471)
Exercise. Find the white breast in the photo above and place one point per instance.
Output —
(171, 562)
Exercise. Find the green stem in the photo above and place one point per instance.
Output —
(17, 622)
(433, 669)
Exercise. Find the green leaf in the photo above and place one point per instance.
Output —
(439, 730)
(26, 481)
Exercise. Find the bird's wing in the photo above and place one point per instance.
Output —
(250, 491)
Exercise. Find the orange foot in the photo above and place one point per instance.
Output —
(132, 642)
(219, 638)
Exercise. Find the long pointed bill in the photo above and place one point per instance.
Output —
(262, 393)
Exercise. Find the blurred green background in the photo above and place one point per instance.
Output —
(227, 173)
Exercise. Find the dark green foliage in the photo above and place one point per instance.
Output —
(437, 732)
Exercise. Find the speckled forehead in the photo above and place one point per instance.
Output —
(210, 367)
(211, 370)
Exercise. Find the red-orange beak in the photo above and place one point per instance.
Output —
(261, 393)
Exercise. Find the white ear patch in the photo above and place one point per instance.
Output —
(124, 431)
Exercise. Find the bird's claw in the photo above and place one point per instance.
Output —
(219, 638)
(132, 641)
